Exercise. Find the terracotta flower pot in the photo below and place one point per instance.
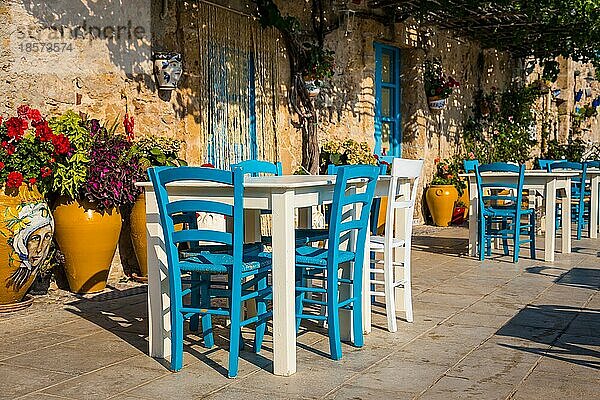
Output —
(138, 233)
(88, 238)
(26, 230)
(440, 201)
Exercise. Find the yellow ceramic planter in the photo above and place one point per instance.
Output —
(26, 229)
(138, 233)
(440, 201)
(88, 238)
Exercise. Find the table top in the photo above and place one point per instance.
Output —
(282, 182)
(528, 173)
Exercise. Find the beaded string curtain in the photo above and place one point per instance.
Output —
(238, 93)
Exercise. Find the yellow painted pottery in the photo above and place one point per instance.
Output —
(465, 200)
(138, 233)
(440, 200)
(26, 230)
(88, 238)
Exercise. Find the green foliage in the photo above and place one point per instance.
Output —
(572, 151)
(500, 127)
(71, 169)
(446, 173)
(348, 152)
(550, 71)
(158, 151)
(319, 62)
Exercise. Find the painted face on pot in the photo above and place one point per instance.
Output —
(38, 245)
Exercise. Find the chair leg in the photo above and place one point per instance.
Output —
(333, 315)
(207, 331)
(532, 235)
(504, 236)
(261, 309)
(176, 340)
(408, 285)
(195, 302)
(517, 239)
(390, 298)
(300, 282)
(357, 311)
(235, 330)
(482, 240)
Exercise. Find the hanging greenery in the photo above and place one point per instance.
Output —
(308, 60)
(500, 129)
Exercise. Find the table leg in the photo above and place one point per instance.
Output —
(566, 219)
(284, 310)
(473, 211)
(159, 318)
(594, 207)
(550, 228)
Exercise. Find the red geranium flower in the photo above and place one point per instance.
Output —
(43, 131)
(61, 144)
(26, 112)
(32, 181)
(1, 165)
(10, 149)
(14, 179)
(45, 172)
(16, 127)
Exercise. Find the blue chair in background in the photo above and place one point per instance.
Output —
(324, 263)
(259, 167)
(544, 164)
(495, 206)
(580, 200)
(221, 253)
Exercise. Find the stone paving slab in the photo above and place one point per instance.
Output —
(482, 330)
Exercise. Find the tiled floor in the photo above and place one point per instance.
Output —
(491, 330)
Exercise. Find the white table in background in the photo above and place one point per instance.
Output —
(282, 195)
(594, 176)
(546, 183)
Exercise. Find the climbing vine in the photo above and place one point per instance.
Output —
(308, 58)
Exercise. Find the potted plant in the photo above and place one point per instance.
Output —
(445, 189)
(28, 148)
(318, 65)
(345, 152)
(438, 86)
(151, 151)
(93, 182)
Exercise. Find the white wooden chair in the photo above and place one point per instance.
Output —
(396, 249)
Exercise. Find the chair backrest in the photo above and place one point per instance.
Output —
(593, 164)
(545, 164)
(504, 192)
(171, 210)
(578, 187)
(340, 225)
(402, 169)
(256, 167)
(470, 165)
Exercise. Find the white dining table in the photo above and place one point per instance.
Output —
(281, 194)
(594, 176)
(545, 183)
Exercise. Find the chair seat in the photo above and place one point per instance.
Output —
(249, 248)
(503, 212)
(217, 263)
(307, 255)
(377, 242)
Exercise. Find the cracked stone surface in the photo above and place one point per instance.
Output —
(482, 330)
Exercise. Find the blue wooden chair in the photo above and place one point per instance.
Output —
(259, 167)
(544, 164)
(580, 200)
(495, 206)
(324, 263)
(221, 253)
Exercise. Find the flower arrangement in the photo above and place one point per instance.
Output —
(347, 152)
(113, 170)
(71, 167)
(446, 173)
(158, 151)
(437, 84)
(319, 63)
(29, 150)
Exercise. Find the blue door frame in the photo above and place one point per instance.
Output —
(388, 120)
